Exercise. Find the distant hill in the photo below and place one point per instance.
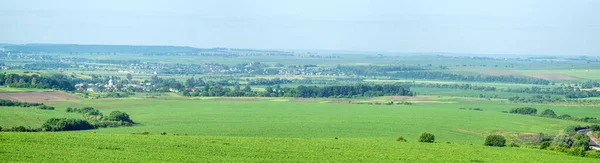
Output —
(76, 48)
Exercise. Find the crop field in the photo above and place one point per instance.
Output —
(255, 106)
(588, 74)
(60, 147)
(288, 119)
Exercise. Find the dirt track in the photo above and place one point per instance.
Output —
(38, 97)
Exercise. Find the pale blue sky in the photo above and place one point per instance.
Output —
(459, 26)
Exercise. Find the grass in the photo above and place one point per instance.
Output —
(9, 89)
(282, 119)
(589, 74)
(29, 117)
(83, 147)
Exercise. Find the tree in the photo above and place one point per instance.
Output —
(427, 138)
(495, 140)
(562, 141)
(548, 113)
(595, 127)
(524, 110)
(190, 83)
(119, 116)
(129, 77)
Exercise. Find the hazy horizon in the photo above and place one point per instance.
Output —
(465, 26)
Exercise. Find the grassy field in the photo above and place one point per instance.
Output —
(588, 74)
(283, 119)
(33, 117)
(73, 147)
(8, 89)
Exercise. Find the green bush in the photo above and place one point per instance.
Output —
(119, 116)
(595, 127)
(427, 138)
(401, 139)
(64, 124)
(495, 140)
(562, 141)
(524, 110)
(545, 145)
(548, 113)
(44, 107)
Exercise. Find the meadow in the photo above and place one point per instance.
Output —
(281, 118)
(96, 147)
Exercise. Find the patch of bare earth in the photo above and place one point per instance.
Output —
(236, 99)
(553, 76)
(38, 97)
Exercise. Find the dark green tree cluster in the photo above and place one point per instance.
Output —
(263, 81)
(305, 91)
(524, 110)
(495, 140)
(427, 138)
(44, 107)
(119, 116)
(56, 81)
(66, 124)
(17, 103)
(114, 119)
(436, 75)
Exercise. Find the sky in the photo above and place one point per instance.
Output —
(549, 27)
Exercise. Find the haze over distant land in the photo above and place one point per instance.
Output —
(551, 27)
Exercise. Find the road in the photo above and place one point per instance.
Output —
(593, 140)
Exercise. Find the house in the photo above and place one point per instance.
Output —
(173, 90)
(92, 89)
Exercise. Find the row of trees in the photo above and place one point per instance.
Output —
(56, 81)
(549, 113)
(305, 91)
(435, 75)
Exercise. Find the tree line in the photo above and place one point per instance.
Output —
(305, 91)
(24, 104)
(56, 81)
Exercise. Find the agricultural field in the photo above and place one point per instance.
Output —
(26, 147)
(227, 105)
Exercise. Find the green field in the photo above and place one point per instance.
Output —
(283, 119)
(84, 147)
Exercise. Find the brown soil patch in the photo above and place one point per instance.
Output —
(38, 97)
(236, 99)
(553, 76)
(466, 131)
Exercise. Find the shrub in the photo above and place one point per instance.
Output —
(581, 144)
(64, 124)
(44, 107)
(401, 139)
(495, 140)
(548, 113)
(544, 145)
(119, 116)
(427, 138)
(562, 141)
(524, 110)
(513, 144)
(595, 127)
